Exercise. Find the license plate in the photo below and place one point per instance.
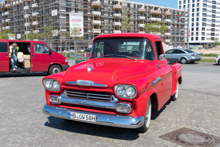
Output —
(80, 116)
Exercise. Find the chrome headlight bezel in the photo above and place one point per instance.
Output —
(125, 93)
(55, 84)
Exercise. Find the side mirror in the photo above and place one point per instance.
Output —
(50, 52)
(162, 57)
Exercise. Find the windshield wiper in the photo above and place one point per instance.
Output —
(126, 57)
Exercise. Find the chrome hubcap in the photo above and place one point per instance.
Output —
(56, 70)
(183, 61)
(148, 115)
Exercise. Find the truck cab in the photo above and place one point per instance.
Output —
(33, 56)
(126, 75)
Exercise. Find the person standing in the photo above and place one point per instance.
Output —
(13, 55)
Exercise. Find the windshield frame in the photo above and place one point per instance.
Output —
(145, 40)
(51, 47)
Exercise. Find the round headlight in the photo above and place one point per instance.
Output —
(48, 84)
(56, 85)
(125, 91)
(120, 90)
(52, 85)
(130, 91)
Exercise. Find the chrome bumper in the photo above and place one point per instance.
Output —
(102, 119)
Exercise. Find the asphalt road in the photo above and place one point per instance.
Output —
(22, 122)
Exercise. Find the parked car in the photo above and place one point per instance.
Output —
(217, 60)
(35, 56)
(88, 49)
(183, 55)
(126, 75)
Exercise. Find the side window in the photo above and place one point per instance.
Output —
(3, 47)
(158, 48)
(149, 52)
(182, 52)
(41, 49)
(98, 49)
(169, 52)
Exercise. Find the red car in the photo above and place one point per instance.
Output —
(126, 75)
(34, 56)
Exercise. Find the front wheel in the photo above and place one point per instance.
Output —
(175, 95)
(219, 62)
(147, 118)
(54, 69)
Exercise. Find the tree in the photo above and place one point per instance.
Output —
(31, 36)
(125, 25)
(6, 33)
(157, 27)
(216, 42)
(48, 31)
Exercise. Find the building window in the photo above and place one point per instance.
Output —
(193, 5)
(203, 38)
(192, 38)
(203, 19)
(197, 19)
(213, 20)
(203, 29)
(197, 4)
(213, 16)
(197, 38)
(203, 33)
(213, 2)
(213, 7)
(192, 19)
(179, 7)
(213, 11)
(193, 15)
(192, 24)
(197, 29)
(197, 24)
(197, 9)
(204, 10)
(204, 5)
(192, 34)
(204, 14)
(192, 10)
(203, 24)
(197, 34)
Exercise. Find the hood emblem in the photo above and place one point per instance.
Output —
(89, 69)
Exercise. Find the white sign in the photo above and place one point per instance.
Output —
(54, 12)
(76, 21)
(11, 36)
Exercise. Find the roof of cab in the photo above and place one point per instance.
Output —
(21, 41)
(134, 35)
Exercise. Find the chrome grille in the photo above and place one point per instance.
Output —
(103, 96)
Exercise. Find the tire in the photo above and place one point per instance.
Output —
(147, 118)
(55, 69)
(183, 61)
(175, 95)
(192, 61)
(219, 62)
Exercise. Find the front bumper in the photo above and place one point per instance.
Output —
(216, 60)
(102, 119)
(195, 59)
(64, 67)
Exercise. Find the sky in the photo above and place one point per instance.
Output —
(165, 3)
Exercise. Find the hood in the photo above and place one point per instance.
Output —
(107, 70)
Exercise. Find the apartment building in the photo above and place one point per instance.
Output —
(99, 17)
(204, 20)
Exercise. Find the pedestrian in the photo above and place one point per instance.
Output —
(13, 55)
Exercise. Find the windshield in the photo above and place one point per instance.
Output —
(189, 51)
(51, 48)
(139, 48)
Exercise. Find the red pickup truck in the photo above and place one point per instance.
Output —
(126, 75)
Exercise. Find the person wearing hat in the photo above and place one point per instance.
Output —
(13, 55)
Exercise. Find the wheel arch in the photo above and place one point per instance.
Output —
(180, 79)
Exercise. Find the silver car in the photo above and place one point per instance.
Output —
(217, 60)
(182, 55)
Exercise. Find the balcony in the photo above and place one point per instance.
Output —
(6, 13)
(117, 15)
(141, 10)
(7, 20)
(141, 32)
(167, 40)
(157, 12)
(141, 25)
(167, 34)
(26, 16)
(26, 7)
(117, 23)
(117, 31)
(98, 31)
(35, 23)
(96, 4)
(168, 13)
(27, 24)
(7, 27)
(27, 32)
(168, 20)
(97, 22)
(117, 7)
(141, 17)
(155, 19)
(97, 13)
(35, 14)
(34, 5)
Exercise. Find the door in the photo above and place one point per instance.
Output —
(169, 54)
(41, 57)
(4, 57)
(177, 54)
(164, 72)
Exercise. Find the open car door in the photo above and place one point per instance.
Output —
(4, 56)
